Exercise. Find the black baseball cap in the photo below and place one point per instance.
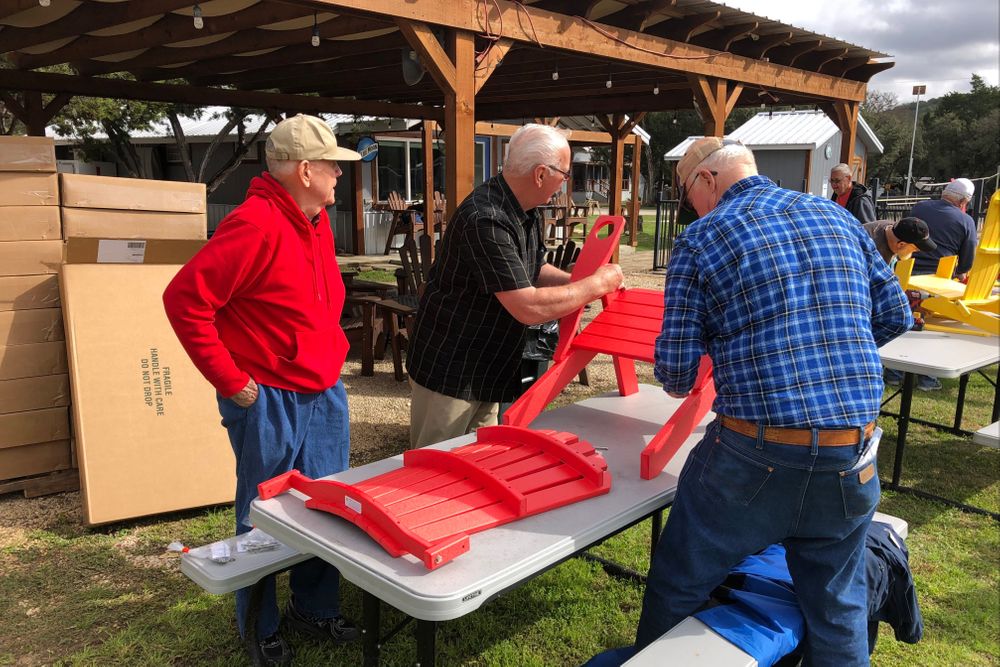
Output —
(914, 230)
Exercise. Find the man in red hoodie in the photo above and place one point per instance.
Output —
(258, 311)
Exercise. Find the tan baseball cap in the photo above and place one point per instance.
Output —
(697, 152)
(305, 137)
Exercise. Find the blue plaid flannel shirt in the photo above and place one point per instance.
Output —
(787, 294)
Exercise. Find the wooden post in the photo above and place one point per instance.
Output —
(427, 141)
(358, 212)
(460, 118)
(636, 192)
(715, 100)
(845, 115)
(33, 113)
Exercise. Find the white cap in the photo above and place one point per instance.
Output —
(962, 187)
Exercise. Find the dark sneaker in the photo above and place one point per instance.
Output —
(338, 629)
(269, 651)
(928, 383)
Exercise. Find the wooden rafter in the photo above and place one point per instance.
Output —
(306, 75)
(716, 99)
(638, 16)
(157, 92)
(788, 55)
(682, 29)
(12, 7)
(818, 60)
(845, 65)
(240, 42)
(169, 29)
(760, 47)
(722, 38)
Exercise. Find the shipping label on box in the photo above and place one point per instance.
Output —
(104, 223)
(27, 154)
(28, 258)
(32, 360)
(131, 194)
(24, 428)
(34, 393)
(34, 459)
(18, 327)
(146, 422)
(29, 223)
(130, 251)
(27, 292)
(19, 188)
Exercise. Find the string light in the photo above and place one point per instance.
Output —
(607, 84)
(44, 3)
(315, 36)
(555, 72)
(656, 89)
(199, 22)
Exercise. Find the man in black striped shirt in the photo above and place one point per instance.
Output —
(490, 282)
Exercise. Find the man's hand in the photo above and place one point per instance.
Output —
(609, 277)
(246, 396)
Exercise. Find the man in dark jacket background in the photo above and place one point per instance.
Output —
(851, 195)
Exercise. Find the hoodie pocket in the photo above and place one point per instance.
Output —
(319, 355)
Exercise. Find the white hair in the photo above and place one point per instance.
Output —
(532, 145)
(281, 168)
(729, 156)
(954, 198)
(842, 169)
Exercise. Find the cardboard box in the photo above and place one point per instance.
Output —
(34, 459)
(47, 391)
(33, 360)
(29, 223)
(27, 154)
(18, 327)
(22, 188)
(161, 448)
(25, 428)
(112, 224)
(28, 258)
(131, 194)
(26, 292)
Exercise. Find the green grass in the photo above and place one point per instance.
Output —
(377, 276)
(77, 596)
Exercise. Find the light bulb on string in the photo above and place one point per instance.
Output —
(199, 22)
(45, 3)
(656, 89)
(555, 73)
(315, 36)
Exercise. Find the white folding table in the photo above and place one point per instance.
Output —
(500, 558)
(941, 355)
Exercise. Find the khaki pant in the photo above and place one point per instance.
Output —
(435, 417)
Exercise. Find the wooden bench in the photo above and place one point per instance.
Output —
(693, 644)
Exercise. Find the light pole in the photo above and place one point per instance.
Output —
(918, 91)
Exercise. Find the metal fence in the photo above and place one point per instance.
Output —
(667, 228)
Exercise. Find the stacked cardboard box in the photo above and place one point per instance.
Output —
(131, 208)
(34, 386)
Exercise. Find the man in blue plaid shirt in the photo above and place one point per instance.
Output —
(789, 297)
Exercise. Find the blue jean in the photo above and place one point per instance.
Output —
(281, 431)
(737, 495)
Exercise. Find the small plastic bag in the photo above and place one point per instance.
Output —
(217, 552)
(256, 540)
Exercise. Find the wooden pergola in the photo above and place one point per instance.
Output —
(485, 60)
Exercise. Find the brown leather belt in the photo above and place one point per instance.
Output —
(799, 436)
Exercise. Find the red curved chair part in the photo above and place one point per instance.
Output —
(431, 505)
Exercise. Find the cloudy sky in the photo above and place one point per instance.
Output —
(939, 44)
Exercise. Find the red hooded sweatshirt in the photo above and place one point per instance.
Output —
(263, 298)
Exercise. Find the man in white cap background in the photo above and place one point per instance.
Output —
(258, 311)
(953, 230)
(788, 296)
(850, 194)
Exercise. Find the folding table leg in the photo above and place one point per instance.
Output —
(426, 640)
(370, 643)
(903, 427)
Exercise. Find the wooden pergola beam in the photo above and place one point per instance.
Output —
(574, 35)
(86, 18)
(683, 28)
(431, 53)
(487, 66)
(716, 99)
(845, 115)
(722, 38)
(759, 48)
(158, 92)
(638, 16)
(11, 7)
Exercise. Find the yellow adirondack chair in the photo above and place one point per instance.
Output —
(973, 303)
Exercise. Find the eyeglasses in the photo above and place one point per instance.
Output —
(685, 191)
(565, 174)
(838, 181)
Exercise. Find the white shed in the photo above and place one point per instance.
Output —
(797, 149)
